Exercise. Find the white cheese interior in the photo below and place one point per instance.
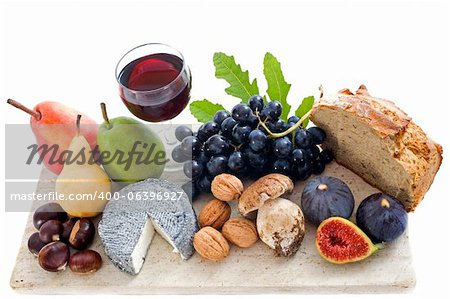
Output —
(142, 246)
(161, 232)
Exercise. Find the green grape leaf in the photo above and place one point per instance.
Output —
(277, 87)
(204, 110)
(304, 108)
(240, 86)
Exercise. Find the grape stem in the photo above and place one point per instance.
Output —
(291, 129)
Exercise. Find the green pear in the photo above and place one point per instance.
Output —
(130, 151)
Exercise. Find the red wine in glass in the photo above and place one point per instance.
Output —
(156, 86)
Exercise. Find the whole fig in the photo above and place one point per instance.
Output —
(382, 217)
(325, 197)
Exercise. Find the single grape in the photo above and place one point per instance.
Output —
(217, 145)
(191, 190)
(201, 158)
(301, 172)
(277, 126)
(272, 110)
(303, 139)
(312, 152)
(281, 166)
(252, 121)
(271, 126)
(192, 169)
(255, 160)
(318, 135)
(220, 116)
(227, 126)
(282, 147)
(217, 165)
(241, 112)
(178, 156)
(257, 140)
(204, 183)
(318, 167)
(293, 119)
(182, 132)
(326, 156)
(256, 103)
(191, 146)
(240, 133)
(207, 130)
(299, 157)
(236, 162)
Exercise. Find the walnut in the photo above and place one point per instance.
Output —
(240, 232)
(211, 244)
(227, 187)
(215, 213)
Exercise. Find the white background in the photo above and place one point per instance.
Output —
(400, 50)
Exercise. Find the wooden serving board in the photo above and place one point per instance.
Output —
(252, 270)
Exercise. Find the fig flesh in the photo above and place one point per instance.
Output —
(339, 241)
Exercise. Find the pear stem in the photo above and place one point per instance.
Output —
(105, 115)
(37, 115)
(78, 124)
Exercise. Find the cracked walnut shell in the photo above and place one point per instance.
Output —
(215, 213)
(227, 187)
(211, 244)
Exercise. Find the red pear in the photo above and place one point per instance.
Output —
(53, 124)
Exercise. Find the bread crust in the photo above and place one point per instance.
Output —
(419, 155)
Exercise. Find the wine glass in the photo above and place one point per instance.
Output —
(154, 82)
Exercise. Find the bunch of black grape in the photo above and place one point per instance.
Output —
(239, 144)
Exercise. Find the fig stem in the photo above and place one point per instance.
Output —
(380, 245)
(78, 124)
(322, 187)
(105, 114)
(37, 115)
(291, 129)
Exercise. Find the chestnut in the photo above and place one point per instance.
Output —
(85, 262)
(82, 234)
(67, 229)
(51, 231)
(35, 243)
(48, 211)
(54, 257)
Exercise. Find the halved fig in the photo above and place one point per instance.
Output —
(339, 241)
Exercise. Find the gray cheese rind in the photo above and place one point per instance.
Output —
(123, 221)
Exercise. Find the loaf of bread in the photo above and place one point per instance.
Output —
(379, 142)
